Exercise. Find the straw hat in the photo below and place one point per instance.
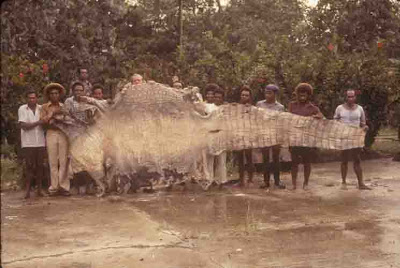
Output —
(47, 88)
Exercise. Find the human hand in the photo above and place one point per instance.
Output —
(84, 99)
(317, 116)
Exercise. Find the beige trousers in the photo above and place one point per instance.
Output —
(57, 150)
(220, 168)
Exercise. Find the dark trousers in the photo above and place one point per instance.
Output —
(241, 155)
(273, 167)
(34, 159)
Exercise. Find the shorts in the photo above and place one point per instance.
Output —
(302, 154)
(351, 155)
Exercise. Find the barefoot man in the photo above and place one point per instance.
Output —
(352, 114)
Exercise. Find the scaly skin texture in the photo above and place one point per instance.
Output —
(160, 128)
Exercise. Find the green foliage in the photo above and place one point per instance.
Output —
(11, 169)
(335, 46)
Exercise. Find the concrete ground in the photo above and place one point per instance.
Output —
(325, 226)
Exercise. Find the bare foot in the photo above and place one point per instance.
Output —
(41, 194)
(294, 187)
(305, 187)
(27, 196)
(343, 186)
(363, 187)
(264, 186)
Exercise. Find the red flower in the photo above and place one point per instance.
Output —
(331, 47)
(45, 68)
(21, 75)
(380, 44)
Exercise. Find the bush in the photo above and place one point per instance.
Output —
(11, 172)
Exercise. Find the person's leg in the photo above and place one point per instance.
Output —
(220, 169)
(30, 169)
(306, 155)
(52, 152)
(240, 160)
(266, 166)
(206, 169)
(343, 166)
(295, 165)
(276, 166)
(210, 165)
(63, 157)
(250, 166)
(357, 169)
(40, 156)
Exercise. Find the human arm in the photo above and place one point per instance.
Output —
(318, 114)
(363, 120)
(28, 126)
(46, 114)
(22, 120)
(101, 104)
(336, 116)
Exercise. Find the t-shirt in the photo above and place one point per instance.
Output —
(276, 106)
(353, 117)
(33, 137)
(307, 109)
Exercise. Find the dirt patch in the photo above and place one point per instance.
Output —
(322, 227)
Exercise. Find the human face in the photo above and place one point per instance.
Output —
(54, 95)
(137, 80)
(98, 93)
(218, 98)
(245, 97)
(83, 73)
(302, 96)
(177, 85)
(351, 97)
(32, 99)
(270, 96)
(210, 96)
(78, 91)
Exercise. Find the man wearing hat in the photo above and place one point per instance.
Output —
(57, 142)
(303, 106)
(270, 102)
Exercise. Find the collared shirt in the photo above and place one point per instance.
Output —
(276, 106)
(33, 137)
(79, 109)
(48, 109)
(307, 109)
(354, 117)
(87, 87)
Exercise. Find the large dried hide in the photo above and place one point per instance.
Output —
(158, 127)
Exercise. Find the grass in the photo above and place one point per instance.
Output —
(387, 142)
(11, 172)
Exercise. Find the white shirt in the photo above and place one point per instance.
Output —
(33, 137)
(350, 116)
(210, 107)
